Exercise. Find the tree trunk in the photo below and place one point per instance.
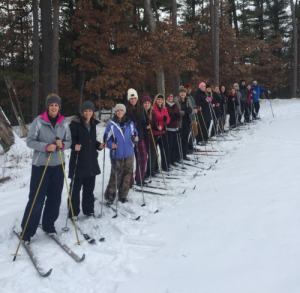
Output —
(212, 32)
(55, 46)
(216, 43)
(81, 90)
(36, 60)
(99, 98)
(15, 105)
(160, 76)
(235, 22)
(46, 24)
(175, 77)
(295, 44)
(7, 138)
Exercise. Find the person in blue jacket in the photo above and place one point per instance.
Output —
(256, 91)
(122, 151)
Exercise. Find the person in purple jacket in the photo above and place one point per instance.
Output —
(121, 137)
(256, 91)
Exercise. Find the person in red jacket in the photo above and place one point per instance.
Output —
(172, 128)
(162, 118)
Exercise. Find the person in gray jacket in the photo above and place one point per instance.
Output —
(240, 100)
(47, 133)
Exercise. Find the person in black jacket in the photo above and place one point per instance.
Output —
(83, 131)
(243, 91)
(216, 104)
(135, 112)
(203, 107)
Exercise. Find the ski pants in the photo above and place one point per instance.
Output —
(204, 128)
(232, 119)
(51, 188)
(151, 162)
(256, 107)
(142, 152)
(247, 113)
(161, 141)
(124, 170)
(173, 146)
(88, 186)
(184, 134)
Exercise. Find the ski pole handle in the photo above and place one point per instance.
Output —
(105, 137)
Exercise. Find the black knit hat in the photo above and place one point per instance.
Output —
(53, 99)
(87, 105)
(242, 80)
(208, 86)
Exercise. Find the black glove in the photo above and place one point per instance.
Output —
(177, 116)
(165, 118)
(188, 111)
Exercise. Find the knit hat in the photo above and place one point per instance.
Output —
(120, 107)
(242, 80)
(87, 105)
(182, 89)
(132, 94)
(235, 85)
(254, 81)
(146, 98)
(208, 86)
(187, 85)
(202, 84)
(53, 99)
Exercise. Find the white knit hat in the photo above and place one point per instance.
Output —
(132, 94)
(120, 107)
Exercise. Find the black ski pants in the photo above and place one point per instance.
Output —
(232, 119)
(88, 186)
(184, 134)
(173, 146)
(151, 162)
(51, 187)
(256, 106)
(203, 126)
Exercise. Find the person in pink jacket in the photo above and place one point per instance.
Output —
(162, 118)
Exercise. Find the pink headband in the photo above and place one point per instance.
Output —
(202, 84)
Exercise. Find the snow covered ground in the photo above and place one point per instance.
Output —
(237, 232)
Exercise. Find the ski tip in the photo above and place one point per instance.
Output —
(194, 187)
(91, 240)
(47, 274)
(115, 216)
(156, 211)
(136, 219)
(82, 258)
(183, 191)
(102, 239)
(143, 205)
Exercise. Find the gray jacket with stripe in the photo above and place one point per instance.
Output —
(41, 134)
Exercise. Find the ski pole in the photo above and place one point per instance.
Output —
(206, 129)
(35, 197)
(181, 148)
(201, 134)
(70, 201)
(162, 174)
(270, 104)
(101, 212)
(212, 116)
(193, 139)
(138, 161)
(149, 155)
(116, 179)
(162, 143)
(66, 228)
(235, 114)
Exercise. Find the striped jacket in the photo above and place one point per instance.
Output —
(125, 140)
(41, 134)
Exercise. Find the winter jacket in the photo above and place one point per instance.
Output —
(125, 139)
(184, 114)
(159, 119)
(42, 134)
(257, 89)
(249, 97)
(190, 97)
(239, 102)
(139, 122)
(217, 99)
(231, 103)
(147, 133)
(243, 91)
(87, 164)
(173, 109)
(200, 100)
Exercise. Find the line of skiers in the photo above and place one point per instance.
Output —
(135, 131)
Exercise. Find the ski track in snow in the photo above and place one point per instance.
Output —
(237, 232)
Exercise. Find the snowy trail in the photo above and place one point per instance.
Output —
(237, 232)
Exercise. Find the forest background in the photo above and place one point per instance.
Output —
(97, 49)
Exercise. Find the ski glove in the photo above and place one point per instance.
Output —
(165, 118)
(149, 121)
(208, 99)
